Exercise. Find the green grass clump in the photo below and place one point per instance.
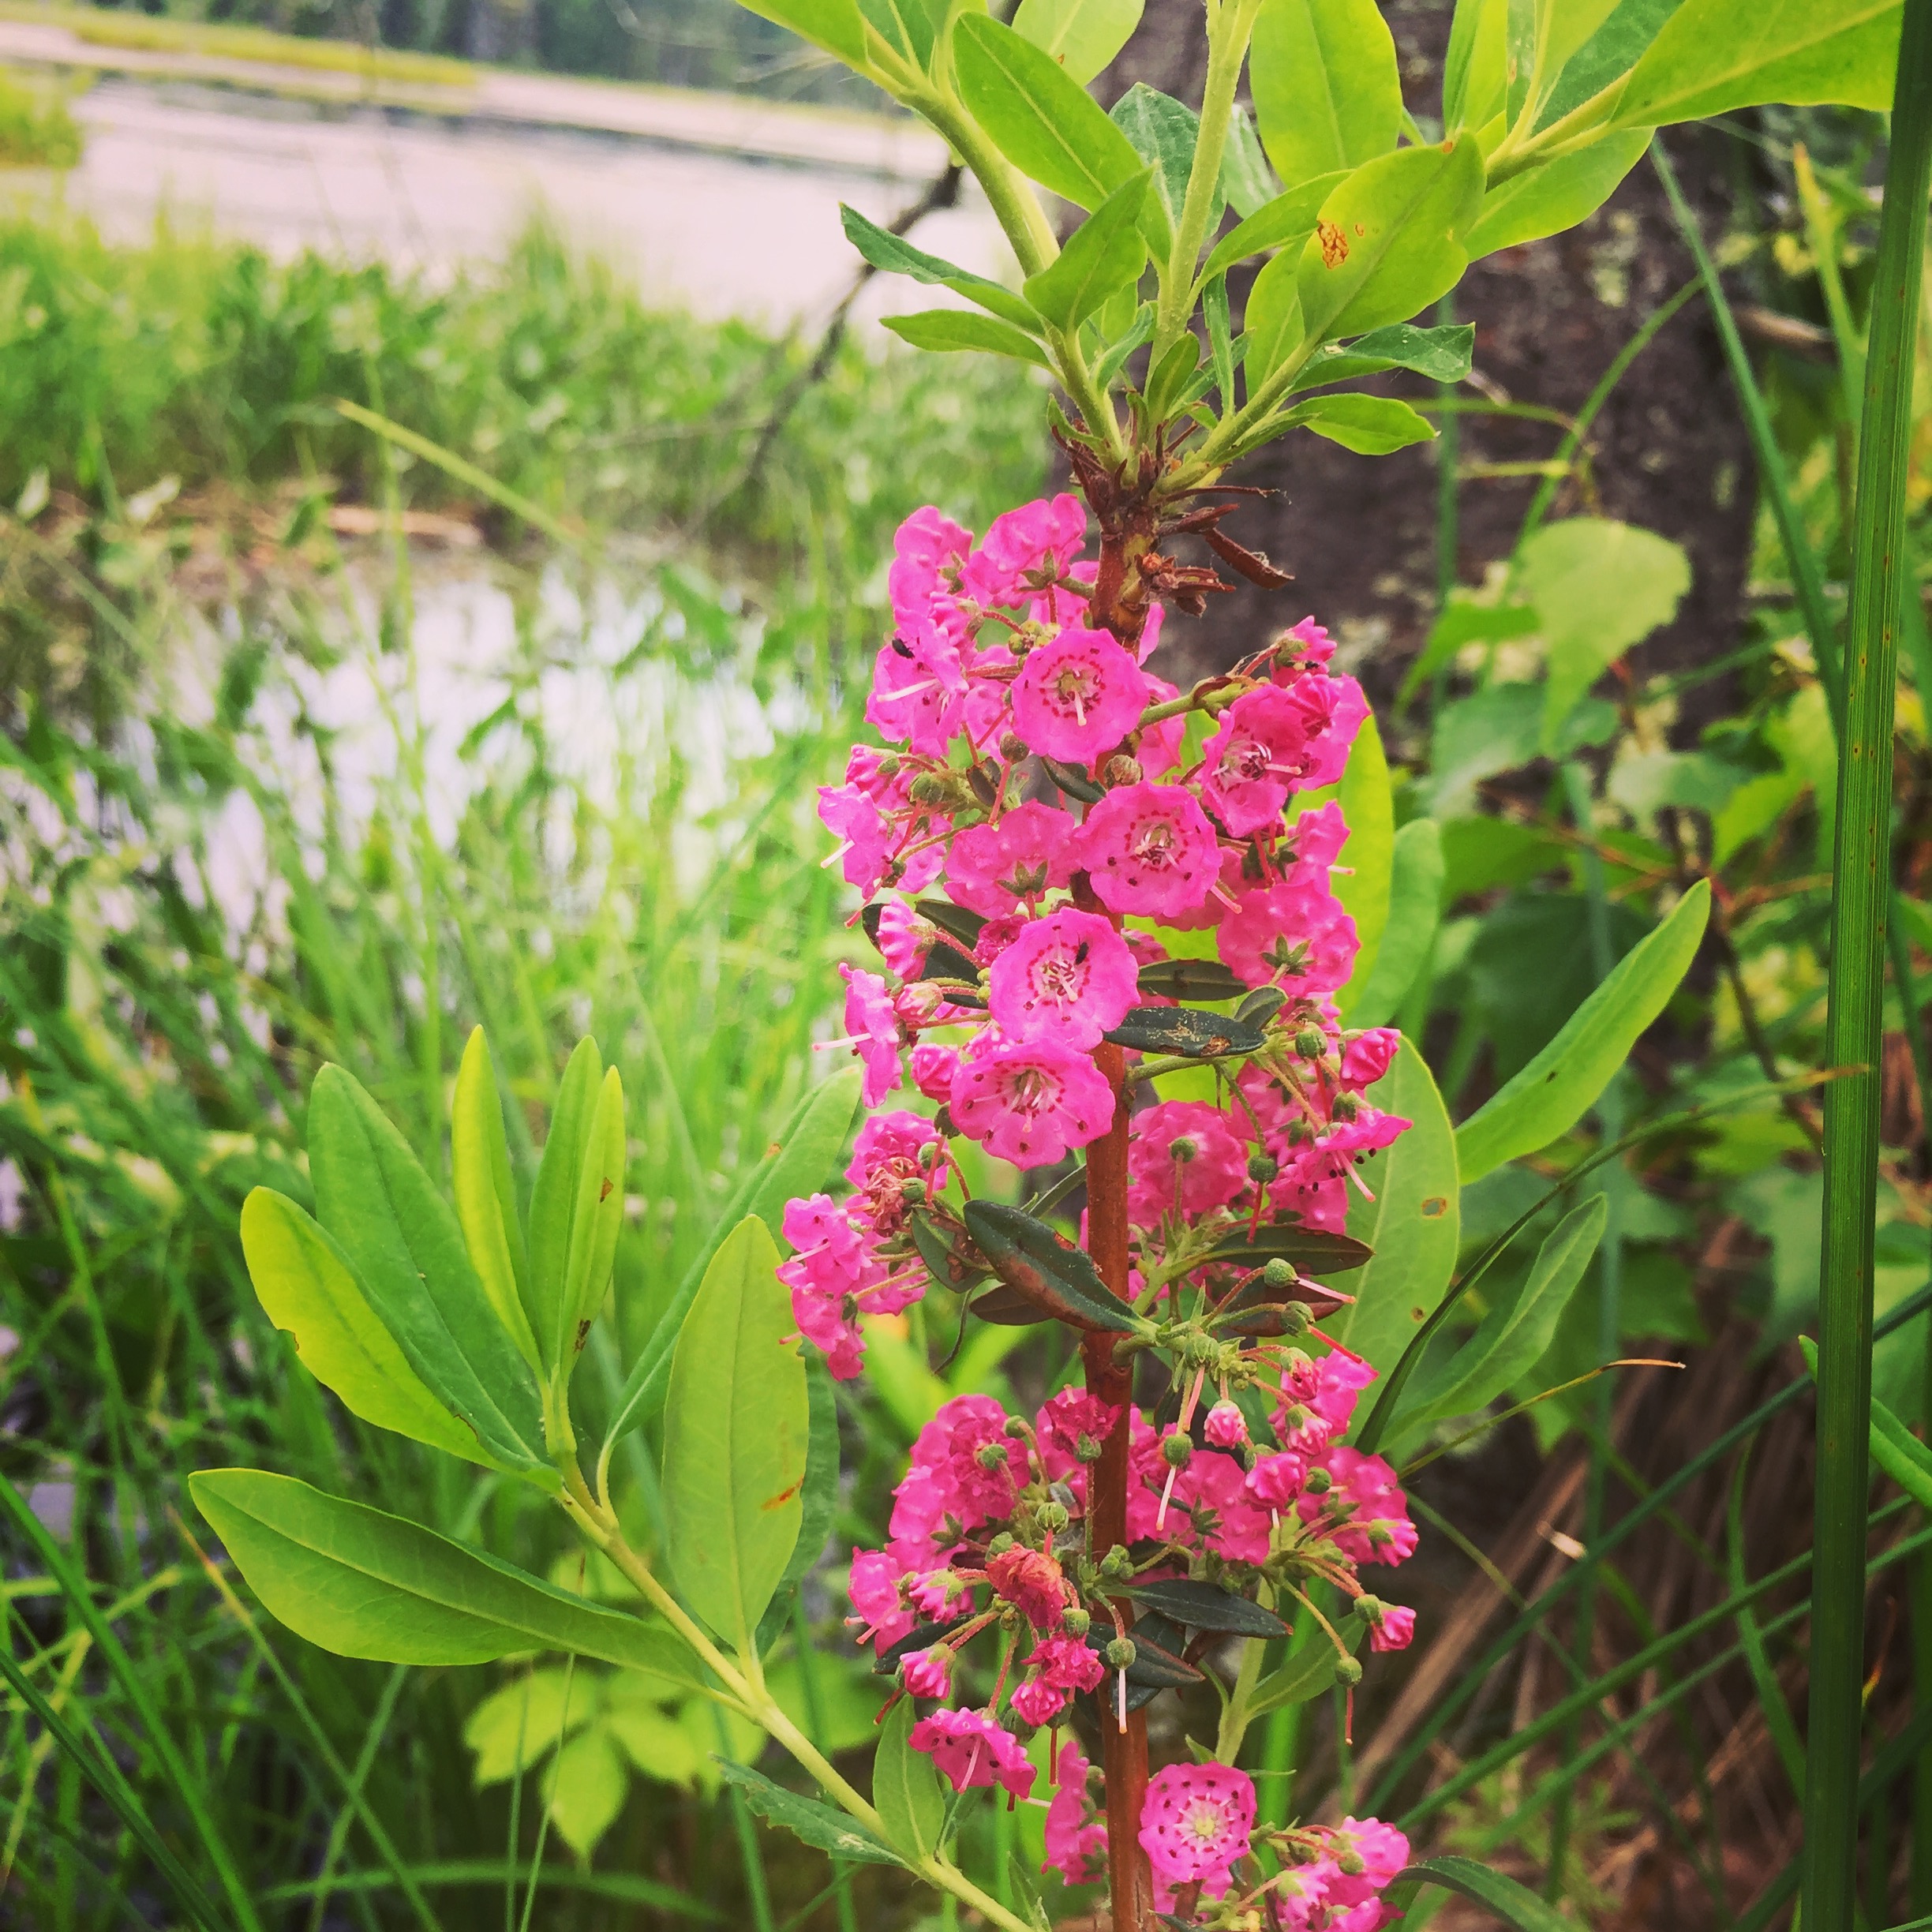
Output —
(36, 130)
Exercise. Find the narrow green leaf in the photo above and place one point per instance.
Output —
(1514, 1336)
(1546, 201)
(596, 1218)
(486, 1206)
(403, 1240)
(1388, 241)
(1164, 132)
(1192, 980)
(1607, 56)
(1104, 253)
(894, 255)
(1442, 354)
(1368, 800)
(1046, 1269)
(1082, 35)
(1415, 908)
(1715, 56)
(1248, 183)
(737, 1428)
(910, 27)
(1513, 1903)
(365, 1584)
(1551, 1095)
(1562, 28)
(1042, 120)
(1285, 223)
(1413, 1225)
(1273, 319)
(1197, 1605)
(304, 1283)
(836, 25)
(554, 1198)
(905, 1787)
(807, 1818)
(1472, 70)
(1369, 425)
(1306, 1673)
(960, 328)
(798, 1162)
(1326, 91)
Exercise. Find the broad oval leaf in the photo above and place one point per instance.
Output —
(1413, 1224)
(906, 1792)
(1104, 253)
(836, 25)
(1040, 118)
(807, 1818)
(1273, 319)
(1185, 1031)
(1416, 875)
(1286, 221)
(1368, 426)
(960, 329)
(1443, 354)
(1514, 1904)
(486, 1206)
(1082, 35)
(1046, 1269)
(1190, 980)
(307, 1288)
(1201, 1605)
(737, 1426)
(1311, 1250)
(554, 1197)
(894, 255)
(1164, 132)
(365, 1584)
(796, 1163)
(1326, 92)
(1551, 1095)
(1545, 200)
(406, 1248)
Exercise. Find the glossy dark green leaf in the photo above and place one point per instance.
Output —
(1104, 253)
(1514, 1904)
(1005, 1308)
(896, 256)
(947, 1253)
(1285, 223)
(944, 961)
(1314, 1251)
(1074, 782)
(959, 329)
(1442, 354)
(1186, 1031)
(964, 925)
(1192, 980)
(403, 1240)
(1045, 1269)
(816, 1823)
(1044, 122)
(1201, 1605)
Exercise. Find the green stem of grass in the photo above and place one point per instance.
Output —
(1855, 1014)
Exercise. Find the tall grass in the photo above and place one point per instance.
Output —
(36, 129)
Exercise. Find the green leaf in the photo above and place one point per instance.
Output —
(1472, 70)
(910, 27)
(486, 1206)
(807, 1818)
(1547, 200)
(554, 1198)
(1312, 1251)
(1285, 223)
(1273, 318)
(1511, 1903)
(1598, 587)
(1182, 1030)
(599, 1217)
(1248, 183)
(1083, 35)
(586, 1789)
(1104, 253)
(1416, 876)
(1197, 1605)
(1514, 1336)
(1046, 1269)
(1442, 354)
(736, 1426)
(819, 1502)
(1388, 241)
(836, 25)
(960, 328)
(1368, 804)
(1550, 1096)
(1610, 54)
(1307, 1673)
(1715, 56)
(304, 1283)
(1164, 132)
(520, 1724)
(796, 1163)
(894, 255)
(364, 1584)
(1413, 1224)
(1562, 28)
(905, 1787)
(1192, 979)
(400, 1236)
(1042, 120)
(1326, 91)
(1369, 425)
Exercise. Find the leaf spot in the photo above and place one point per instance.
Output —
(1436, 1206)
(603, 1193)
(783, 1496)
(1334, 246)
(583, 1330)
(1415, 1315)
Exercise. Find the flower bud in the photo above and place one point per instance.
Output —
(1318, 1482)
(1116, 1562)
(889, 766)
(1372, 1608)
(1120, 1653)
(1263, 1167)
(1280, 1273)
(990, 1456)
(1053, 1517)
(1182, 1150)
(1075, 1621)
(912, 1191)
(1015, 1431)
(1351, 1864)
(1348, 1671)
(1086, 1449)
(1296, 1319)
(1311, 1043)
(1199, 1348)
(1226, 1427)
(1121, 770)
(1346, 1107)
(1177, 1451)
(1012, 747)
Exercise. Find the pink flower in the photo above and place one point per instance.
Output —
(1077, 696)
(1031, 1581)
(1365, 1513)
(829, 1267)
(971, 1749)
(911, 703)
(939, 1595)
(964, 1456)
(1028, 1101)
(932, 1068)
(1210, 1506)
(1276, 1481)
(1076, 1835)
(1225, 1427)
(895, 1144)
(1037, 540)
(1195, 1821)
(991, 869)
(874, 1589)
(1292, 935)
(903, 938)
(1186, 1157)
(873, 1027)
(928, 1673)
(1037, 1703)
(1392, 1627)
(1334, 709)
(1307, 646)
(1064, 1421)
(1067, 1664)
(1067, 978)
(927, 544)
(1366, 1058)
(1161, 744)
(1384, 1852)
(1318, 1401)
(1248, 765)
(1148, 848)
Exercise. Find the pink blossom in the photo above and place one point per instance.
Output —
(1161, 744)
(1296, 936)
(874, 1589)
(1315, 839)
(1067, 1664)
(1210, 1505)
(991, 869)
(865, 840)
(1037, 1703)
(830, 1266)
(1028, 1101)
(1299, 1897)
(1249, 765)
(932, 1068)
(1276, 1481)
(1195, 1821)
(1392, 1629)
(1333, 708)
(1366, 1058)
(1225, 1427)
(928, 1673)
(1067, 978)
(1076, 1834)
(939, 1595)
(1031, 1581)
(873, 1026)
(895, 1144)
(1062, 1423)
(1384, 1852)
(1038, 540)
(971, 1749)
(1183, 1156)
(1306, 647)
(1365, 1514)
(996, 935)
(1077, 696)
(948, 1456)
(903, 938)
(1148, 848)
(1318, 1401)
(911, 703)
